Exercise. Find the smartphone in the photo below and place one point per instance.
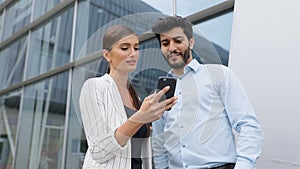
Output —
(167, 81)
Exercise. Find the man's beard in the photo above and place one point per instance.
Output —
(185, 56)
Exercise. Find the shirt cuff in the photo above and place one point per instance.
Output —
(241, 164)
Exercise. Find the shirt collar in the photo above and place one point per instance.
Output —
(194, 66)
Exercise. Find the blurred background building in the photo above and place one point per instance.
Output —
(40, 46)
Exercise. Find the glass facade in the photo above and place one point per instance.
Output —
(50, 44)
(42, 6)
(47, 50)
(17, 16)
(12, 59)
(220, 37)
(194, 6)
(43, 112)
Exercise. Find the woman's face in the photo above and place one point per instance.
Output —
(124, 54)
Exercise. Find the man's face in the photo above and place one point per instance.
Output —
(175, 47)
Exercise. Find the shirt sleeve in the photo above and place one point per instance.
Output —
(160, 156)
(243, 120)
(100, 136)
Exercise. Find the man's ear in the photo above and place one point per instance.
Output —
(106, 55)
(192, 42)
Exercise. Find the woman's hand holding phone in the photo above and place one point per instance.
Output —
(152, 108)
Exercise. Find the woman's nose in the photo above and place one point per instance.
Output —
(134, 52)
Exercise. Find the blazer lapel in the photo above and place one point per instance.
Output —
(116, 98)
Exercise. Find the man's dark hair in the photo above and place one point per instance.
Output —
(169, 22)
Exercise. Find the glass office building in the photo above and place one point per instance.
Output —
(43, 48)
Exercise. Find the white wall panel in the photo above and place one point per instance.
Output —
(265, 54)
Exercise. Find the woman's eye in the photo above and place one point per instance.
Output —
(124, 48)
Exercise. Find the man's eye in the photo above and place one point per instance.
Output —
(124, 48)
(137, 48)
(165, 43)
(178, 41)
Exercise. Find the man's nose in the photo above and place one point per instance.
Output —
(172, 46)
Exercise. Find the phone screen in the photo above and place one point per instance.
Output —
(167, 81)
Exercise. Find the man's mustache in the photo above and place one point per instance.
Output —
(174, 53)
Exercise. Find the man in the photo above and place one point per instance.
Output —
(213, 124)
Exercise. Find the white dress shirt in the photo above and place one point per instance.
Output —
(198, 131)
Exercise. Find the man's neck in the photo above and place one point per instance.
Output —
(178, 71)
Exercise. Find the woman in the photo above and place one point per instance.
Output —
(112, 113)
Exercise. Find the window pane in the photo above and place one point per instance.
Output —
(76, 144)
(94, 14)
(12, 60)
(9, 115)
(218, 32)
(42, 6)
(165, 6)
(185, 8)
(42, 123)
(1, 26)
(16, 17)
(50, 45)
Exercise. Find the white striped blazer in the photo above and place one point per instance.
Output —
(102, 112)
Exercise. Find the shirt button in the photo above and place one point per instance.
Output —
(181, 126)
(183, 146)
(186, 166)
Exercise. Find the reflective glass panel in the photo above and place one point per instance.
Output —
(165, 6)
(42, 6)
(50, 45)
(94, 14)
(76, 143)
(1, 26)
(9, 117)
(218, 32)
(42, 124)
(12, 61)
(185, 8)
(16, 17)
(181, 7)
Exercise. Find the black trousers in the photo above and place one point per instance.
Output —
(225, 166)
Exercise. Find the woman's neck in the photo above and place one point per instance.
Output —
(122, 84)
(121, 79)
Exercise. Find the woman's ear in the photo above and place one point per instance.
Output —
(106, 55)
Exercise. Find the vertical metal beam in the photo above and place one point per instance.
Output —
(174, 7)
(69, 89)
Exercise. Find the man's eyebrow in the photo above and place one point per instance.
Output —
(178, 37)
(175, 37)
(164, 40)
